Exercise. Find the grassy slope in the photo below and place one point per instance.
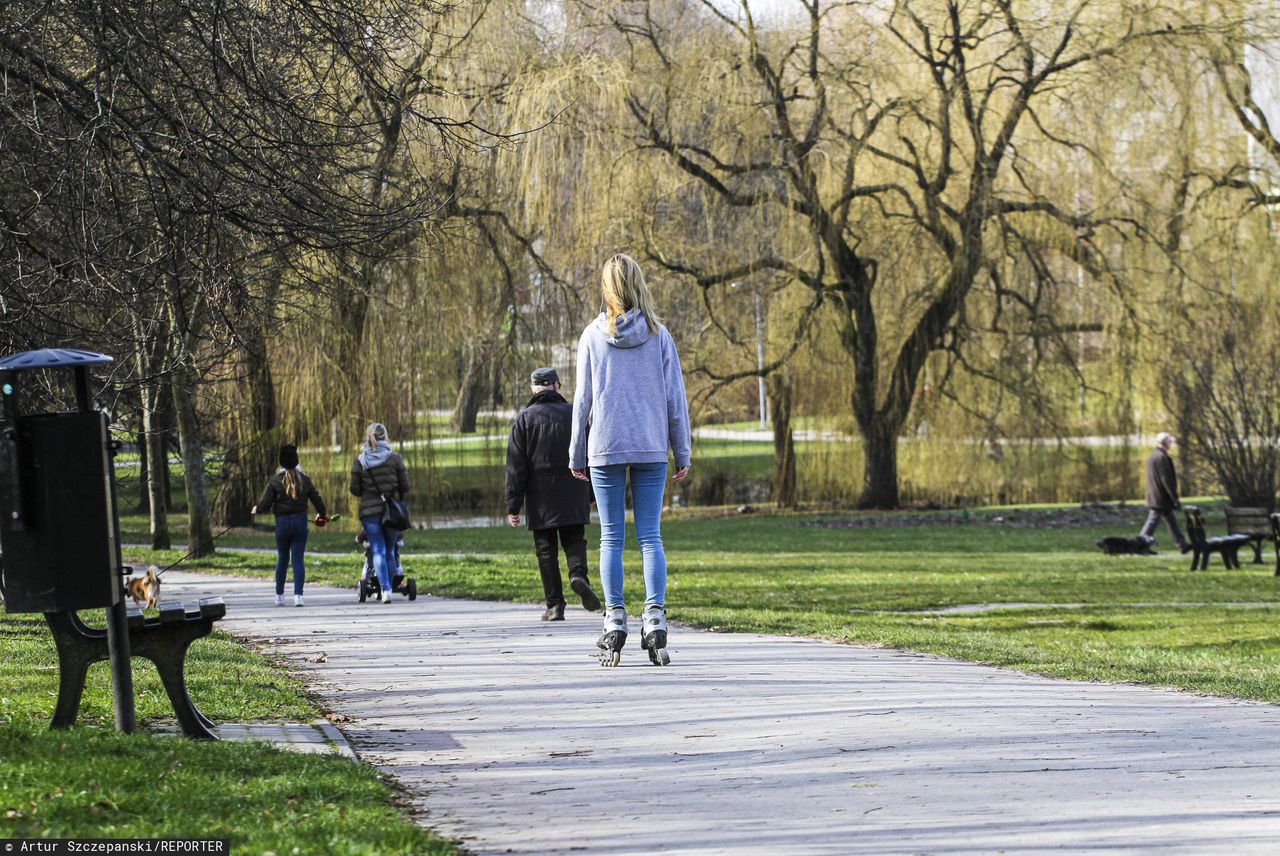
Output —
(1144, 619)
(92, 782)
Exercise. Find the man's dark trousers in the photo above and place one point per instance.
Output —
(1154, 516)
(573, 540)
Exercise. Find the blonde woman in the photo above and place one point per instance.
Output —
(376, 473)
(286, 495)
(631, 393)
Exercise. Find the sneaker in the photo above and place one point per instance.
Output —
(582, 589)
(386, 596)
(298, 601)
(554, 613)
(279, 600)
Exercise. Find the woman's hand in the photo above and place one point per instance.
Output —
(513, 519)
(681, 472)
(581, 475)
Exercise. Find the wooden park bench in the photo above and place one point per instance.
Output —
(1227, 546)
(163, 641)
(1254, 522)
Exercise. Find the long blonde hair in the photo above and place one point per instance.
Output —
(624, 288)
(292, 478)
(292, 483)
(375, 432)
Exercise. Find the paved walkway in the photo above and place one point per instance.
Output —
(511, 739)
(318, 738)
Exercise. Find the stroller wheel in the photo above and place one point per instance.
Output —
(411, 589)
(364, 591)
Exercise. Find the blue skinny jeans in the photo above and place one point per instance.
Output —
(291, 543)
(647, 484)
(382, 542)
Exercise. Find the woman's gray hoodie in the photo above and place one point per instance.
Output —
(629, 405)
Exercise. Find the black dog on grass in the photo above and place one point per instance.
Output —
(1115, 545)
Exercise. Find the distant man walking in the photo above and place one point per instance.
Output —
(1162, 492)
(557, 505)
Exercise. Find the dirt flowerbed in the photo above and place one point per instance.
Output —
(1091, 514)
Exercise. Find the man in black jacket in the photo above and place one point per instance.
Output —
(557, 505)
(1162, 492)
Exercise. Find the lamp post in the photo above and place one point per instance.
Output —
(763, 401)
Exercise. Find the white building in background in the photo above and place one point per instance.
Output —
(1262, 59)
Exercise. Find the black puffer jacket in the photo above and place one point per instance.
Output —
(389, 478)
(276, 498)
(538, 476)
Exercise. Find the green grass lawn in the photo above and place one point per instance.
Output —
(1141, 619)
(90, 781)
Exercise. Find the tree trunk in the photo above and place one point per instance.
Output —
(166, 474)
(151, 448)
(157, 464)
(199, 528)
(880, 463)
(470, 388)
(784, 447)
(144, 499)
(251, 446)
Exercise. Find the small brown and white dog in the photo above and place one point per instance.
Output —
(145, 590)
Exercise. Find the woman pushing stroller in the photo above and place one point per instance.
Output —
(377, 475)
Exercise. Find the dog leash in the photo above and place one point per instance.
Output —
(225, 530)
(194, 549)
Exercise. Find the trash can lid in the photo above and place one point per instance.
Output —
(46, 358)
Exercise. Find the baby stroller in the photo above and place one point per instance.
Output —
(368, 587)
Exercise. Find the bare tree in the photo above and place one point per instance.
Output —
(161, 157)
(903, 151)
(1224, 391)
(1221, 382)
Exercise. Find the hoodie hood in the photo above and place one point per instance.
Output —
(378, 455)
(633, 329)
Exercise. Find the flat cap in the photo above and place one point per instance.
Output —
(545, 376)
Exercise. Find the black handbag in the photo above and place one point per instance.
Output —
(395, 512)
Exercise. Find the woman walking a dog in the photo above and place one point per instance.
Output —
(378, 475)
(630, 393)
(286, 495)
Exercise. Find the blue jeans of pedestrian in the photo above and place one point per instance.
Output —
(382, 543)
(647, 484)
(291, 543)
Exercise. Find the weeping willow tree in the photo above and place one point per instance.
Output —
(935, 200)
(427, 316)
(886, 158)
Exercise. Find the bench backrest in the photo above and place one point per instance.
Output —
(1195, 525)
(1248, 521)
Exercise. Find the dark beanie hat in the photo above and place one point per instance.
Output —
(289, 456)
